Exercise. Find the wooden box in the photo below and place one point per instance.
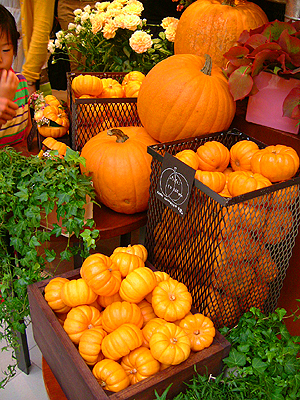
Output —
(76, 378)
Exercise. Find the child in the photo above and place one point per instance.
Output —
(15, 122)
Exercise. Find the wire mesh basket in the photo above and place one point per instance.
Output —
(232, 253)
(92, 116)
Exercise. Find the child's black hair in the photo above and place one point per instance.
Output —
(8, 27)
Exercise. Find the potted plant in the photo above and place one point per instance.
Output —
(266, 60)
(30, 189)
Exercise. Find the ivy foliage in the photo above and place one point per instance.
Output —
(30, 189)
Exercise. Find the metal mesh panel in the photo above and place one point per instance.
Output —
(92, 116)
(231, 253)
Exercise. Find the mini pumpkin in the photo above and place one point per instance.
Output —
(277, 163)
(200, 330)
(53, 295)
(127, 336)
(150, 327)
(137, 249)
(111, 375)
(213, 156)
(147, 311)
(77, 292)
(213, 179)
(189, 157)
(139, 364)
(137, 284)
(119, 313)
(241, 154)
(240, 182)
(101, 274)
(87, 85)
(171, 300)
(127, 262)
(170, 344)
(53, 144)
(133, 76)
(90, 345)
(132, 88)
(105, 301)
(111, 88)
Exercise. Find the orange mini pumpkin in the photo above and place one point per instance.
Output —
(53, 295)
(119, 313)
(137, 249)
(200, 330)
(213, 156)
(90, 345)
(240, 182)
(101, 274)
(127, 262)
(87, 85)
(241, 154)
(111, 88)
(213, 179)
(189, 157)
(111, 375)
(150, 327)
(137, 284)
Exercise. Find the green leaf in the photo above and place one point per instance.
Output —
(259, 366)
(235, 359)
(240, 83)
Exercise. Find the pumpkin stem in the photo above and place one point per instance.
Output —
(120, 135)
(207, 66)
(229, 3)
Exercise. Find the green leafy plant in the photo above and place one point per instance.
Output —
(273, 48)
(263, 362)
(30, 189)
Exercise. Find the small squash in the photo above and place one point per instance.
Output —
(127, 262)
(90, 345)
(171, 300)
(137, 284)
(139, 364)
(127, 336)
(111, 88)
(111, 375)
(80, 319)
(119, 313)
(213, 156)
(87, 85)
(147, 311)
(137, 249)
(241, 154)
(53, 144)
(200, 330)
(215, 180)
(132, 88)
(240, 182)
(170, 344)
(101, 274)
(133, 76)
(77, 292)
(277, 163)
(150, 327)
(53, 295)
(105, 301)
(189, 157)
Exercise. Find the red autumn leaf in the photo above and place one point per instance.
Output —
(255, 41)
(240, 83)
(228, 70)
(291, 104)
(274, 29)
(265, 55)
(265, 46)
(237, 55)
(290, 45)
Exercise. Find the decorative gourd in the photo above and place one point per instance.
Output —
(240, 182)
(200, 330)
(241, 154)
(80, 319)
(111, 375)
(137, 284)
(119, 313)
(127, 336)
(139, 364)
(53, 144)
(184, 96)
(77, 292)
(277, 163)
(213, 27)
(213, 179)
(189, 157)
(53, 295)
(170, 344)
(111, 88)
(137, 249)
(90, 345)
(150, 327)
(133, 76)
(160, 276)
(105, 301)
(120, 168)
(127, 262)
(52, 131)
(171, 300)
(87, 85)
(131, 89)
(147, 311)
(213, 156)
(52, 100)
(101, 274)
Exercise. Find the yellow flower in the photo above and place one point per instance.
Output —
(109, 30)
(134, 7)
(97, 22)
(119, 21)
(131, 22)
(170, 33)
(102, 6)
(140, 42)
(169, 21)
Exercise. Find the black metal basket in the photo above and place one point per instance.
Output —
(92, 116)
(231, 253)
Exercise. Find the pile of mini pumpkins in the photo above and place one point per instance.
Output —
(128, 321)
(51, 118)
(91, 86)
(241, 169)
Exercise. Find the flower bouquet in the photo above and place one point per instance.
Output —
(113, 37)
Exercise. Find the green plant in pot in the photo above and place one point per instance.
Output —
(271, 51)
(30, 189)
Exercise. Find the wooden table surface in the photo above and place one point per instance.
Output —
(53, 388)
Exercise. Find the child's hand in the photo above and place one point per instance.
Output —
(8, 84)
(7, 110)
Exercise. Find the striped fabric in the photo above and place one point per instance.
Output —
(14, 131)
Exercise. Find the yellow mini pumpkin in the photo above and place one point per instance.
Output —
(137, 284)
(137, 249)
(111, 375)
(200, 330)
(90, 345)
(77, 292)
(53, 295)
(119, 313)
(87, 85)
(127, 262)
(147, 311)
(150, 327)
(171, 300)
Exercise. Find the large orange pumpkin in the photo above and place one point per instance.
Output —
(213, 26)
(120, 167)
(185, 96)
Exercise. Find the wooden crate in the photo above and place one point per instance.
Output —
(76, 378)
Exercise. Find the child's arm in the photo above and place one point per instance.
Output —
(8, 86)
